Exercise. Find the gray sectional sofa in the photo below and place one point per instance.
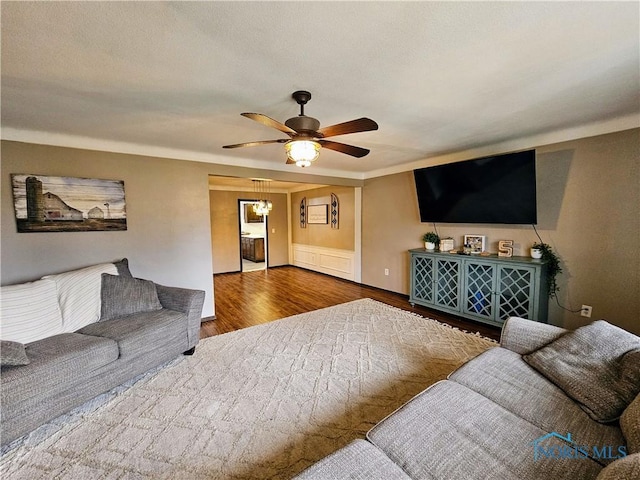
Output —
(546, 404)
(139, 325)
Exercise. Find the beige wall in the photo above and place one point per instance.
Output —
(167, 238)
(588, 202)
(225, 230)
(342, 238)
(588, 211)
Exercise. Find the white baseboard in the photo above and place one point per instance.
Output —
(332, 261)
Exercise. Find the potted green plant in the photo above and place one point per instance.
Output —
(430, 239)
(546, 253)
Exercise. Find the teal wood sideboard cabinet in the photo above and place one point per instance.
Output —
(486, 289)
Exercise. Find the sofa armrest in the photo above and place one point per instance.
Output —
(524, 336)
(186, 301)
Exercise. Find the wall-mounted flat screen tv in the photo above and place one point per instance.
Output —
(498, 189)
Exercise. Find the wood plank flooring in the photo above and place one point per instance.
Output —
(252, 298)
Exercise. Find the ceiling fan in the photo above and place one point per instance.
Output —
(306, 136)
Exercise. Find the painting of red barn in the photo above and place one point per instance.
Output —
(67, 204)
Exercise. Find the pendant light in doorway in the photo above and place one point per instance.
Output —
(262, 191)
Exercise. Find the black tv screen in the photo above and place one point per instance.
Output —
(498, 189)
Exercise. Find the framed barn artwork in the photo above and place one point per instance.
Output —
(45, 203)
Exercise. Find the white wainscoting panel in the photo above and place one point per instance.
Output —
(332, 261)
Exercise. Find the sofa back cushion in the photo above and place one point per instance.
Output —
(29, 311)
(79, 294)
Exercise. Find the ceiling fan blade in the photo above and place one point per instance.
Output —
(344, 148)
(359, 125)
(269, 122)
(255, 144)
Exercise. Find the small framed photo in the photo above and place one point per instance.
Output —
(475, 243)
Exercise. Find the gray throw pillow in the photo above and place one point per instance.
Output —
(13, 353)
(597, 365)
(122, 296)
(123, 268)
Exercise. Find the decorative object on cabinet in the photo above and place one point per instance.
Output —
(67, 204)
(335, 211)
(505, 248)
(446, 244)
(317, 214)
(303, 212)
(487, 289)
(475, 243)
(430, 240)
(553, 266)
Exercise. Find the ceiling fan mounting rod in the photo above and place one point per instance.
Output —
(301, 97)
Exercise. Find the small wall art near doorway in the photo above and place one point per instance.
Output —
(253, 237)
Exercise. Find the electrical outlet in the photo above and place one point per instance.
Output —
(586, 311)
(386, 271)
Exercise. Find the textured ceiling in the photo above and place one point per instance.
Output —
(171, 78)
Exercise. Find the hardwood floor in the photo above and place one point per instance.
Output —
(251, 298)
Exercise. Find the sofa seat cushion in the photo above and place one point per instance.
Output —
(55, 363)
(505, 378)
(359, 460)
(449, 431)
(140, 333)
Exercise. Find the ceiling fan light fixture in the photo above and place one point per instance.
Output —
(302, 152)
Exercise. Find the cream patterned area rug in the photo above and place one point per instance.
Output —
(260, 403)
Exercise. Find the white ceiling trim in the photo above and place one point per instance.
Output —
(87, 143)
(583, 131)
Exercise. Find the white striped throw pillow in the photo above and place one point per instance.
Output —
(29, 311)
(79, 294)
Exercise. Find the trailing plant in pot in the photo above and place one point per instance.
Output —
(430, 239)
(553, 265)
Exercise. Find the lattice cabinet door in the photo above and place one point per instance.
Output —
(448, 283)
(422, 279)
(516, 287)
(479, 289)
